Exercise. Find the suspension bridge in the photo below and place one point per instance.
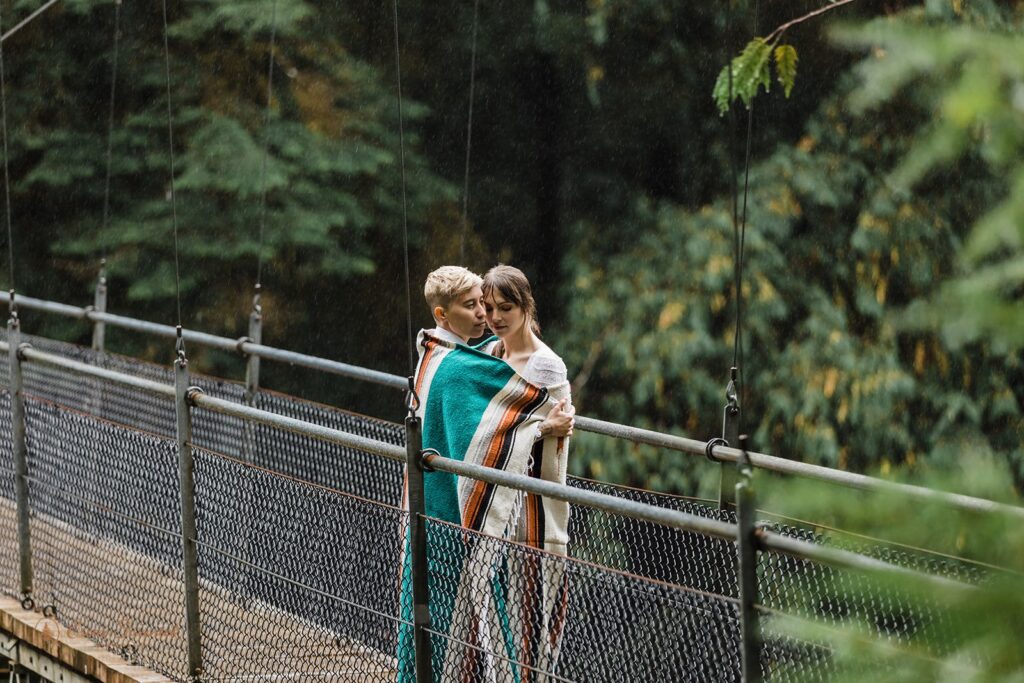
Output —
(158, 525)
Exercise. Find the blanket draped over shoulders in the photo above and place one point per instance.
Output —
(501, 605)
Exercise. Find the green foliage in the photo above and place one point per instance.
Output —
(785, 65)
(326, 154)
(751, 70)
(976, 72)
(972, 635)
(833, 253)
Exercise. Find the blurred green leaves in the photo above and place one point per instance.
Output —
(861, 311)
(965, 635)
(975, 73)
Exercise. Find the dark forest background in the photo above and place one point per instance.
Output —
(600, 165)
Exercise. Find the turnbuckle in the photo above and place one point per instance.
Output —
(412, 399)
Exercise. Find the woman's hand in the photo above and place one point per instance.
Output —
(560, 420)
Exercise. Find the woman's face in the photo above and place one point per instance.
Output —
(504, 317)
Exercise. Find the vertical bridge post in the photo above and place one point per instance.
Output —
(252, 362)
(186, 484)
(418, 549)
(99, 328)
(20, 454)
(750, 636)
(248, 448)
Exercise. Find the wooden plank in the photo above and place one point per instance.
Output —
(78, 654)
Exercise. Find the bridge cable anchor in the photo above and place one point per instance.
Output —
(424, 463)
(711, 445)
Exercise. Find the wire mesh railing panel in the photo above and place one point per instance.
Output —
(835, 596)
(106, 534)
(215, 431)
(104, 399)
(303, 580)
(652, 550)
(129, 406)
(505, 612)
(784, 659)
(785, 583)
(289, 566)
(344, 469)
(9, 579)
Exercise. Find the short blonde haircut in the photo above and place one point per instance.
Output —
(446, 283)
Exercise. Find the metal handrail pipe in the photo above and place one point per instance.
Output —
(34, 356)
(591, 499)
(766, 540)
(214, 341)
(586, 424)
(160, 330)
(845, 559)
(865, 483)
(773, 463)
(640, 435)
(332, 366)
(361, 443)
(672, 518)
(45, 306)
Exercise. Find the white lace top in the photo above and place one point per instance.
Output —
(544, 368)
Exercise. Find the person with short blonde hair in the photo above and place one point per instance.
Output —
(456, 303)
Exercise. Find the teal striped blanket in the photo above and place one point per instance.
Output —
(500, 603)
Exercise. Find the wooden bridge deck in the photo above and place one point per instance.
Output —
(250, 641)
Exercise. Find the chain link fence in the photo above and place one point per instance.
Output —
(502, 611)
(105, 532)
(331, 465)
(301, 543)
(304, 579)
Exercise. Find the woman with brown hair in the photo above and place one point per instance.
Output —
(512, 316)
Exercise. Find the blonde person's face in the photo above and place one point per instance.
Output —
(504, 317)
(465, 315)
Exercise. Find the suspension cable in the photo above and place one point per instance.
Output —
(7, 179)
(170, 156)
(266, 146)
(739, 219)
(405, 208)
(27, 20)
(469, 133)
(740, 239)
(110, 118)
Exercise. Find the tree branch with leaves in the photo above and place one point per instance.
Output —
(751, 69)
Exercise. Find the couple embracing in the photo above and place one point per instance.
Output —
(502, 403)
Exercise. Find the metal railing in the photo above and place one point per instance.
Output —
(728, 456)
(480, 558)
(657, 515)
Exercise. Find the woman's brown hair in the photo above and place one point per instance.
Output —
(513, 286)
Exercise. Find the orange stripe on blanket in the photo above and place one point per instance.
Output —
(495, 448)
(420, 371)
